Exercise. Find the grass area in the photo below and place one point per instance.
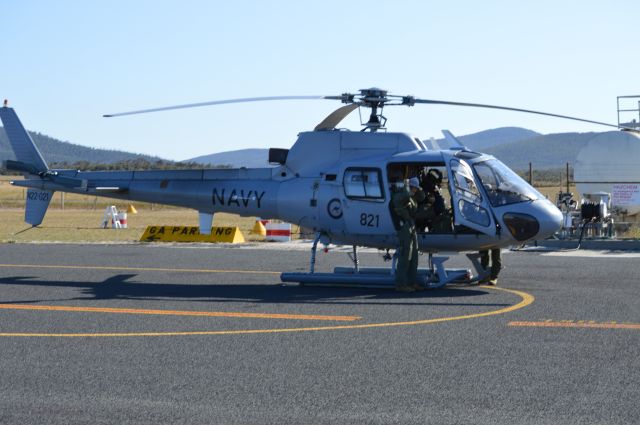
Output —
(633, 233)
(84, 225)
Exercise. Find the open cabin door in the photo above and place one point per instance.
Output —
(470, 209)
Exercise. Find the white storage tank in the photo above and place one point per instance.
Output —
(611, 158)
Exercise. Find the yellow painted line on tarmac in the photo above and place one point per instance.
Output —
(125, 268)
(577, 324)
(526, 299)
(177, 312)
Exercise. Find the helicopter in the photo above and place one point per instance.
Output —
(335, 182)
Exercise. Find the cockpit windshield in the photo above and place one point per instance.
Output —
(502, 185)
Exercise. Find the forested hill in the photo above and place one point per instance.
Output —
(56, 151)
(516, 147)
(480, 141)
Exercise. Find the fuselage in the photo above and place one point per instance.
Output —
(337, 183)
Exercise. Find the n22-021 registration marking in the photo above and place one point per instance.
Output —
(33, 195)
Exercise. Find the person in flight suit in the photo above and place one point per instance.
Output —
(422, 206)
(404, 207)
(496, 265)
(433, 215)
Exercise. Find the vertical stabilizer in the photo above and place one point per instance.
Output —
(22, 144)
(30, 162)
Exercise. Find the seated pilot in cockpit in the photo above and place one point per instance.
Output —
(432, 215)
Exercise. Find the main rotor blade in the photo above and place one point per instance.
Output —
(220, 102)
(334, 118)
(529, 111)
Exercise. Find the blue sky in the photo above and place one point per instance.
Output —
(65, 63)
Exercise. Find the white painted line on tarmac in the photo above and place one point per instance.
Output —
(592, 254)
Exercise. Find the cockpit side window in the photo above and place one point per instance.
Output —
(363, 183)
(464, 181)
(502, 185)
(469, 199)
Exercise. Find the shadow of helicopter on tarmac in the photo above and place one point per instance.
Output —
(119, 287)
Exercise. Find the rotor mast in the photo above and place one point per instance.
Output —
(375, 99)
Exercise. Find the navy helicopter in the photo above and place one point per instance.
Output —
(333, 181)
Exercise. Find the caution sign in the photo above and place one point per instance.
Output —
(626, 194)
(191, 234)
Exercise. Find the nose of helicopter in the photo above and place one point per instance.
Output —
(549, 216)
(539, 220)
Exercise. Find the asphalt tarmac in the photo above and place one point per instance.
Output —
(137, 334)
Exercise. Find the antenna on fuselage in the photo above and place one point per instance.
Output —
(453, 140)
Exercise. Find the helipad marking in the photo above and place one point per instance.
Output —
(143, 269)
(526, 299)
(592, 254)
(577, 324)
(177, 312)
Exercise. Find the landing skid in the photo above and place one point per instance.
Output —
(434, 277)
(376, 277)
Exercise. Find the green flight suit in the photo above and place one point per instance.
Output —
(424, 211)
(404, 208)
(496, 261)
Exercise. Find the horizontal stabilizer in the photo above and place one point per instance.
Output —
(69, 181)
(54, 182)
(27, 183)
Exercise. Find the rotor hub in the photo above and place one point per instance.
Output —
(374, 95)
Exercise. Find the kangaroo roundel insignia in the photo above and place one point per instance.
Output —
(334, 208)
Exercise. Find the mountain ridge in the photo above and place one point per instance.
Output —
(514, 146)
(483, 140)
(58, 151)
